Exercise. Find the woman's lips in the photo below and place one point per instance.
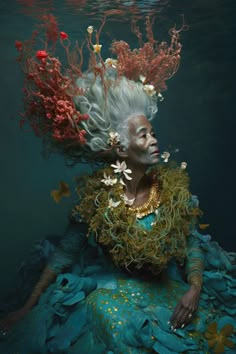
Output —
(155, 152)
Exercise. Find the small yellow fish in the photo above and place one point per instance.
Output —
(203, 226)
(63, 191)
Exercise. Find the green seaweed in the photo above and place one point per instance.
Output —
(129, 243)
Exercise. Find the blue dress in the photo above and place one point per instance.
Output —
(96, 308)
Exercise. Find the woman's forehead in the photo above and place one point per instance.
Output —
(138, 124)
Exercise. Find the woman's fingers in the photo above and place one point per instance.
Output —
(180, 318)
(182, 315)
(175, 313)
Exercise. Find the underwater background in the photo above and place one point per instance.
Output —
(197, 116)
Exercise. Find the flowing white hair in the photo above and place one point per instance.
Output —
(110, 103)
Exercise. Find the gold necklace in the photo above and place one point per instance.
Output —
(150, 205)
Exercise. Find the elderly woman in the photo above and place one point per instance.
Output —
(137, 213)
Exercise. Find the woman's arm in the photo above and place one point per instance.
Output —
(65, 255)
(70, 247)
(188, 304)
(194, 263)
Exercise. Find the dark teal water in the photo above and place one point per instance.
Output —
(197, 115)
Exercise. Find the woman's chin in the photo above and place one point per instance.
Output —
(154, 160)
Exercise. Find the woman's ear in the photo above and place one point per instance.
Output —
(121, 152)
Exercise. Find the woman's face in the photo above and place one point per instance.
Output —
(143, 147)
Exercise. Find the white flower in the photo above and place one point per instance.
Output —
(108, 181)
(113, 139)
(165, 155)
(122, 182)
(122, 168)
(127, 201)
(142, 78)
(90, 29)
(111, 62)
(149, 89)
(160, 97)
(113, 204)
(97, 48)
(183, 165)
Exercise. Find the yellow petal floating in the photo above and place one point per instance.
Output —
(219, 348)
(212, 328)
(203, 226)
(218, 341)
(228, 343)
(211, 342)
(56, 196)
(227, 330)
(209, 335)
(63, 191)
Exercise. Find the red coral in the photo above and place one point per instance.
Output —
(156, 62)
(49, 105)
(51, 27)
(41, 54)
(63, 35)
(18, 45)
(49, 91)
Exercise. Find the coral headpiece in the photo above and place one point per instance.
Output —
(49, 89)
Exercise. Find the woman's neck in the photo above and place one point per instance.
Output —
(139, 182)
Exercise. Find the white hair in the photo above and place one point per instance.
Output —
(110, 103)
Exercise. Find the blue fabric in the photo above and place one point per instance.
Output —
(96, 308)
(70, 248)
(147, 221)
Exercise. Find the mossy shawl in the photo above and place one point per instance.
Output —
(130, 245)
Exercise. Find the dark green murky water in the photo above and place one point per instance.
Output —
(197, 116)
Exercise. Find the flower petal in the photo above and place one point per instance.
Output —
(127, 176)
(228, 343)
(211, 342)
(123, 165)
(227, 330)
(219, 348)
(209, 335)
(212, 328)
(113, 204)
(122, 182)
(114, 166)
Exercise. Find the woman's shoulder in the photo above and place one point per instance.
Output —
(170, 176)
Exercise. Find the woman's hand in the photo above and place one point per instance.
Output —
(12, 318)
(186, 307)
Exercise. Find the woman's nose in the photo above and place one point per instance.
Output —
(153, 139)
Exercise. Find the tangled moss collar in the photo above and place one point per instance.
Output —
(115, 225)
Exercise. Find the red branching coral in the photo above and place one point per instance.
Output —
(49, 23)
(49, 90)
(49, 106)
(156, 62)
